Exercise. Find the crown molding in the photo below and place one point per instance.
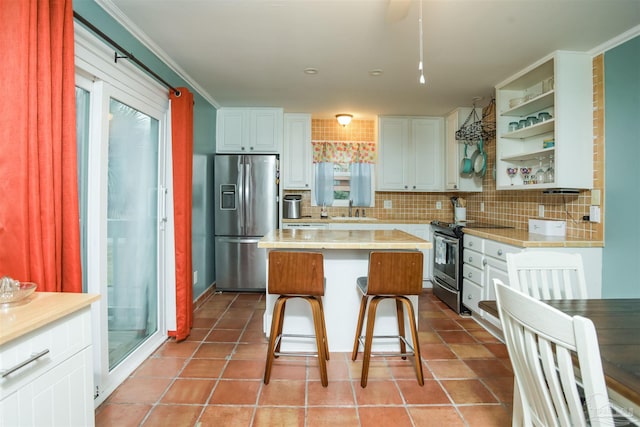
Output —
(616, 41)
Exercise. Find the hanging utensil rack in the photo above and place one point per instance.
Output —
(474, 129)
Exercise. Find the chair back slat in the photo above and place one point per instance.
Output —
(547, 275)
(296, 273)
(395, 273)
(542, 342)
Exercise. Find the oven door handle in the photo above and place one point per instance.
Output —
(453, 242)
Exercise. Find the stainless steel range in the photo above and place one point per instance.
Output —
(447, 266)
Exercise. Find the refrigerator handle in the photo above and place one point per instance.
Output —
(241, 190)
(247, 193)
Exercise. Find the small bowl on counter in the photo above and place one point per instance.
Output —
(14, 291)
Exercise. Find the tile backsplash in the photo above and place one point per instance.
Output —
(512, 208)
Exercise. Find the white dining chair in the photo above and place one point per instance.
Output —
(547, 275)
(541, 340)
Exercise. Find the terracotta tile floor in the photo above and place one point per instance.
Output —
(215, 378)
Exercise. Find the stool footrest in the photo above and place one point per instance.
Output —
(411, 351)
(296, 353)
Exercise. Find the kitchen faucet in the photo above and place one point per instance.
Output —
(350, 207)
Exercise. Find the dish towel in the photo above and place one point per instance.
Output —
(441, 250)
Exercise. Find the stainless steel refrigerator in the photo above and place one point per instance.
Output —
(246, 208)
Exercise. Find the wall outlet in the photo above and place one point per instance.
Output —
(595, 197)
(481, 206)
(388, 204)
(438, 205)
(594, 214)
(195, 277)
(541, 211)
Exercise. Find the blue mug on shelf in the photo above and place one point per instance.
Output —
(543, 116)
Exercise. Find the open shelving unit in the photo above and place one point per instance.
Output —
(560, 85)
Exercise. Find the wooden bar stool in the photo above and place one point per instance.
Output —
(297, 275)
(391, 275)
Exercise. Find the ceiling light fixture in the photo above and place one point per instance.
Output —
(344, 119)
(376, 72)
(311, 71)
(420, 65)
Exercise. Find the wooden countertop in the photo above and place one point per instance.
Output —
(511, 236)
(524, 239)
(361, 220)
(39, 309)
(342, 239)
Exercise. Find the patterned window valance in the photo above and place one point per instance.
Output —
(344, 152)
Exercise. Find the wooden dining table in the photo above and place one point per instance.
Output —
(617, 323)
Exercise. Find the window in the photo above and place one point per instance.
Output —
(343, 171)
(341, 181)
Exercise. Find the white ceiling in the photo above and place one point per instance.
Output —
(253, 52)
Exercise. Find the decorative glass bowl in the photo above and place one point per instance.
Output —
(13, 291)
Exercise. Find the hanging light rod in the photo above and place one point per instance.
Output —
(420, 64)
(126, 55)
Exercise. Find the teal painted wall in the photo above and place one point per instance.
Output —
(621, 255)
(204, 126)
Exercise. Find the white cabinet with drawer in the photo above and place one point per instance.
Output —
(471, 295)
(483, 260)
(47, 375)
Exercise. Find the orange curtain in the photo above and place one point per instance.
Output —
(182, 151)
(39, 219)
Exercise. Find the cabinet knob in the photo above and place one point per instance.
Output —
(406, 187)
(469, 297)
(470, 243)
(470, 259)
(306, 185)
(470, 275)
(242, 148)
(456, 186)
(499, 251)
(251, 148)
(414, 187)
(484, 262)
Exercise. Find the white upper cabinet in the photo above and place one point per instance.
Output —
(249, 130)
(545, 122)
(410, 154)
(297, 158)
(455, 152)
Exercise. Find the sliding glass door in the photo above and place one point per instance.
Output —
(121, 187)
(132, 229)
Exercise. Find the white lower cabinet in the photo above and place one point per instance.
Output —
(55, 389)
(483, 260)
(486, 259)
(471, 295)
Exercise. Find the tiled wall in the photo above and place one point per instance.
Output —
(512, 208)
(331, 130)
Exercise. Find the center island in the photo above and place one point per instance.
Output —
(346, 257)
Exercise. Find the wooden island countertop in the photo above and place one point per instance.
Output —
(342, 239)
(39, 309)
(346, 257)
